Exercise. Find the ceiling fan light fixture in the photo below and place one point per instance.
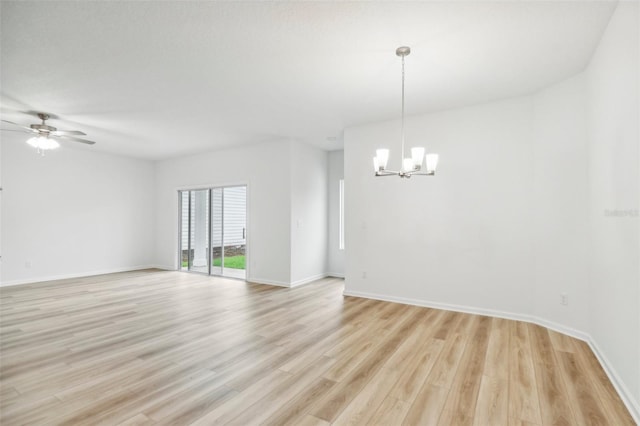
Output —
(42, 143)
(42, 134)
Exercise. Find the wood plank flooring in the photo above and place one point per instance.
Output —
(161, 347)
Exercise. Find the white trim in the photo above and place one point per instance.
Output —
(341, 215)
(268, 282)
(38, 280)
(165, 267)
(212, 185)
(335, 274)
(624, 393)
(293, 284)
(439, 305)
(308, 280)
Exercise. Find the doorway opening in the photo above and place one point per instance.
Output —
(213, 231)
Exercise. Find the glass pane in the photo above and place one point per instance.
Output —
(235, 231)
(216, 230)
(184, 230)
(341, 217)
(199, 231)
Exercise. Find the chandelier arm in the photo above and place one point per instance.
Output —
(432, 173)
(403, 174)
(387, 173)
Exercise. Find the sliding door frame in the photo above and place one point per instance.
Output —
(221, 231)
(210, 188)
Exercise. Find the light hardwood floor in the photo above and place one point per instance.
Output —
(174, 348)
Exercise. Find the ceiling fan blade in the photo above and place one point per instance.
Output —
(19, 125)
(71, 138)
(68, 132)
(19, 131)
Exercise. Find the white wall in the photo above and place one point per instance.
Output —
(76, 212)
(73, 213)
(287, 205)
(309, 170)
(560, 202)
(1, 145)
(614, 260)
(523, 208)
(335, 256)
(462, 237)
(266, 170)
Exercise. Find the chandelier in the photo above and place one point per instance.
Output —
(410, 165)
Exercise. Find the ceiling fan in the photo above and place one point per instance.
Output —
(44, 136)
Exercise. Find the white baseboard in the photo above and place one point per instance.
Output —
(165, 267)
(308, 280)
(292, 284)
(35, 280)
(632, 405)
(335, 274)
(439, 305)
(257, 280)
(268, 282)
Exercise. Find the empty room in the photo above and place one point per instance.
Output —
(312, 213)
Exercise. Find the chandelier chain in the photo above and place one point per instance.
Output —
(402, 135)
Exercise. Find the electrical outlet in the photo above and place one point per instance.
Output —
(364, 274)
(564, 299)
(27, 264)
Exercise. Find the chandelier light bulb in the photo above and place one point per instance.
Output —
(432, 162)
(417, 154)
(383, 157)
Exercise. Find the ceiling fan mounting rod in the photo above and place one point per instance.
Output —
(43, 128)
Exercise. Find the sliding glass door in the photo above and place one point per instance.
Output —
(234, 231)
(213, 231)
(194, 250)
(217, 222)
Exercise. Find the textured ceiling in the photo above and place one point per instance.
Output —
(161, 79)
